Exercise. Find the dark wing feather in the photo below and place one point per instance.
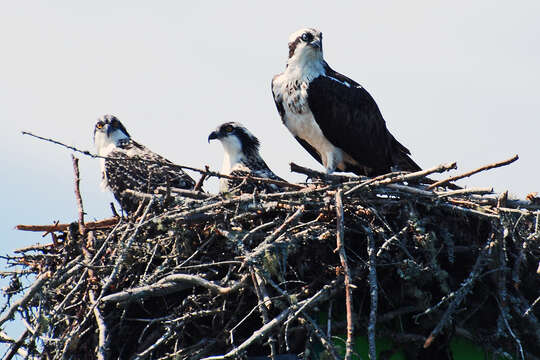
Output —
(248, 185)
(350, 119)
(140, 169)
(254, 167)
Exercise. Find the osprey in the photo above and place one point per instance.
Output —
(334, 118)
(138, 168)
(242, 158)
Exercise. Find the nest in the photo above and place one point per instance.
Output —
(303, 274)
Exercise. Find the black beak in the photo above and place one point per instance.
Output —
(213, 135)
(316, 44)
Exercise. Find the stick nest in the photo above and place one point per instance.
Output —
(246, 275)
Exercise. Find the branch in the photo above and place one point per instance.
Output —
(171, 284)
(320, 175)
(321, 295)
(40, 281)
(457, 295)
(138, 159)
(467, 174)
(78, 194)
(402, 178)
(92, 225)
(343, 257)
(374, 294)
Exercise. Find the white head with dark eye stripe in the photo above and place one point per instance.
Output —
(109, 133)
(304, 45)
(239, 143)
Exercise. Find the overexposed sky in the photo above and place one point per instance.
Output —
(455, 81)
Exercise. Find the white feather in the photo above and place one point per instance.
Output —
(105, 145)
(232, 157)
(290, 87)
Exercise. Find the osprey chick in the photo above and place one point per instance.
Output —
(334, 118)
(138, 168)
(242, 158)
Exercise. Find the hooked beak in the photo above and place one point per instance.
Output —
(213, 135)
(315, 44)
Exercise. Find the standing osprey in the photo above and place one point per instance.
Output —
(138, 168)
(242, 158)
(334, 118)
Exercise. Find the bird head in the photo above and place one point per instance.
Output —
(109, 133)
(236, 139)
(305, 44)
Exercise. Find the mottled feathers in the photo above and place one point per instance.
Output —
(130, 165)
(242, 158)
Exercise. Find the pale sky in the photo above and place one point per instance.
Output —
(455, 81)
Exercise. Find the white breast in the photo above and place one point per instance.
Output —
(298, 118)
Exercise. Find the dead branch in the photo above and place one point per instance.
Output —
(36, 286)
(91, 225)
(373, 292)
(340, 242)
(78, 197)
(470, 173)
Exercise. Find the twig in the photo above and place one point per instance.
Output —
(138, 159)
(91, 225)
(168, 285)
(458, 295)
(323, 338)
(199, 184)
(15, 348)
(469, 173)
(102, 327)
(403, 178)
(388, 241)
(120, 261)
(340, 242)
(317, 174)
(38, 283)
(481, 191)
(194, 194)
(528, 311)
(261, 248)
(261, 302)
(321, 295)
(516, 339)
(152, 347)
(373, 292)
(78, 197)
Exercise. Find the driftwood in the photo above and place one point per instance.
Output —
(304, 273)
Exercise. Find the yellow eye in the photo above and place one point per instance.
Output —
(99, 125)
(229, 128)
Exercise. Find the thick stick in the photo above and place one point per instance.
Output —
(374, 294)
(78, 194)
(343, 257)
(92, 225)
(467, 174)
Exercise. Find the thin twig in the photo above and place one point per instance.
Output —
(403, 178)
(36, 286)
(469, 173)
